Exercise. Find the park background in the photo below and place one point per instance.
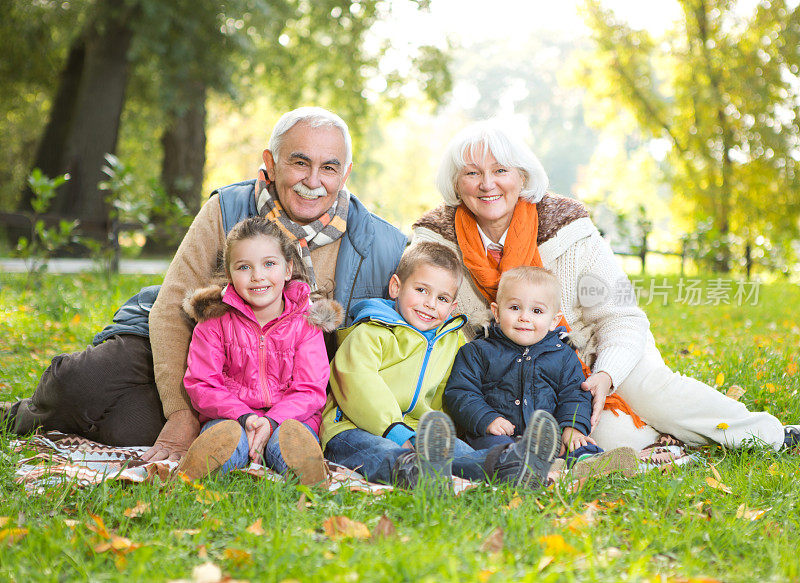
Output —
(675, 119)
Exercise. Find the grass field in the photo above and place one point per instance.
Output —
(655, 527)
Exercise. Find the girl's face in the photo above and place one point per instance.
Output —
(258, 272)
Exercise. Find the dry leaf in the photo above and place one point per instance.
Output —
(751, 513)
(3, 521)
(208, 496)
(12, 535)
(189, 531)
(554, 544)
(539, 504)
(543, 562)
(255, 528)
(206, 573)
(100, 528)
(514, 503)
(339, 527)
(720, 380)
(202, 552)
(735, 392)
(718, 485)
(493, 542)
(238, 556)
(138, 510)
(384, 529)
(715, 473)
(71, 523)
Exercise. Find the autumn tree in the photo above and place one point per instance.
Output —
(721, 88)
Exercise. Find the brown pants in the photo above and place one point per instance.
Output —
(106, 393)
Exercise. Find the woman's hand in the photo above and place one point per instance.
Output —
(500, 426)
(572, 439)
(599, 384)
(258, 431)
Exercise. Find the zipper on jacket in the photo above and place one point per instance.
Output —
(522, 383)
(261, 375)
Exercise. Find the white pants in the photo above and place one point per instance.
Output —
(692, 411)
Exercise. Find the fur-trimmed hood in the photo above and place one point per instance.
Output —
(554, 212)
(214, 301)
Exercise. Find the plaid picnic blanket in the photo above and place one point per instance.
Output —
(61, 458)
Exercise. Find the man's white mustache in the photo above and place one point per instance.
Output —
(307, 192)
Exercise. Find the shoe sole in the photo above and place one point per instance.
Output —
(540, 444)
(301, 453)
(620, 459)
(435, 444)
(210, 450)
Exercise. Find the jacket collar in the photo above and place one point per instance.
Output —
(384, 312)
(551, 341)
(295, 297)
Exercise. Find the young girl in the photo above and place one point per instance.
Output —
(257, 364)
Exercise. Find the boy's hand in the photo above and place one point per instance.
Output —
(572, 439)
(258, 431)
(500, 426)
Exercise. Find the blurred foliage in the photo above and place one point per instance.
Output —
(721, 89)
(293, 52)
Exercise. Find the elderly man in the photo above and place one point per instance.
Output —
(108, 392)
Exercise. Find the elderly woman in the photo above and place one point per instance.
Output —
(498, 215)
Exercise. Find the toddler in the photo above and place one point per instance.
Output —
(523, 366)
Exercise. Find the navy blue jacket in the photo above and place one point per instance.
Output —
(494, 377)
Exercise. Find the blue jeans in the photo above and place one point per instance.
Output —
(570, 458)
(241, 455)
(374, 456)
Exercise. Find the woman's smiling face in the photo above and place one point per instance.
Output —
(490, 190)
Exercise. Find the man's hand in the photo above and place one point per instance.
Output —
(258, 431)
(599, 384)
(572, 439)
(178, 433)
(500, 426)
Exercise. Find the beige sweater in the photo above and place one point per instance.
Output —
(197, 263)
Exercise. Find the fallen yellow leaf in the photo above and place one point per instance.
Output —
(514, 503)
(720, 380)
(384, 529)
(208, 496)
(138, 510)
(3, 521)
(543, 562)
(554, 544)
(12, 535)
(255, 528)
(188, 531)
(238, 556)
(339, 527)
(716, 473)
(718, 485)
(751, 513)
(791, 369)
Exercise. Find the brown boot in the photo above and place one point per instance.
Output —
(302, 453)
(210, 450)
(620, 459)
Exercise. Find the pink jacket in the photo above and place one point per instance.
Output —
(237, 367)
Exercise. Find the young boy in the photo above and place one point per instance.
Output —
(524, 366)
(383, 416)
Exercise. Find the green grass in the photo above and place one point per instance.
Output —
(654, 527)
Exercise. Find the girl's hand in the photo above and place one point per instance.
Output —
(500, 426)
(258, 431)
(572, 439)
(599, 384)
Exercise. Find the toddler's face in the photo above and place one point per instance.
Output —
(526, 312)
(427, 296)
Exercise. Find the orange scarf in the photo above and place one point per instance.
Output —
(520, 249)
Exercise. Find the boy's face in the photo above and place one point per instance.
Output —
(427, 296)
(526, 312)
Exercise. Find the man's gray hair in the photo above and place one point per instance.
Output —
(480, 138)
(315, 117)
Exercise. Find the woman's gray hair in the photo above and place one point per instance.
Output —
(489, 136)
(315, 117)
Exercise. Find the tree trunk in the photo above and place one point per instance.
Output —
(184, 145)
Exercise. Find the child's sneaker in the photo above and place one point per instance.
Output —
(527, 462)
(210, 450)
(433, 452)
(301, 453)
(620, 459)
(791, 436)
